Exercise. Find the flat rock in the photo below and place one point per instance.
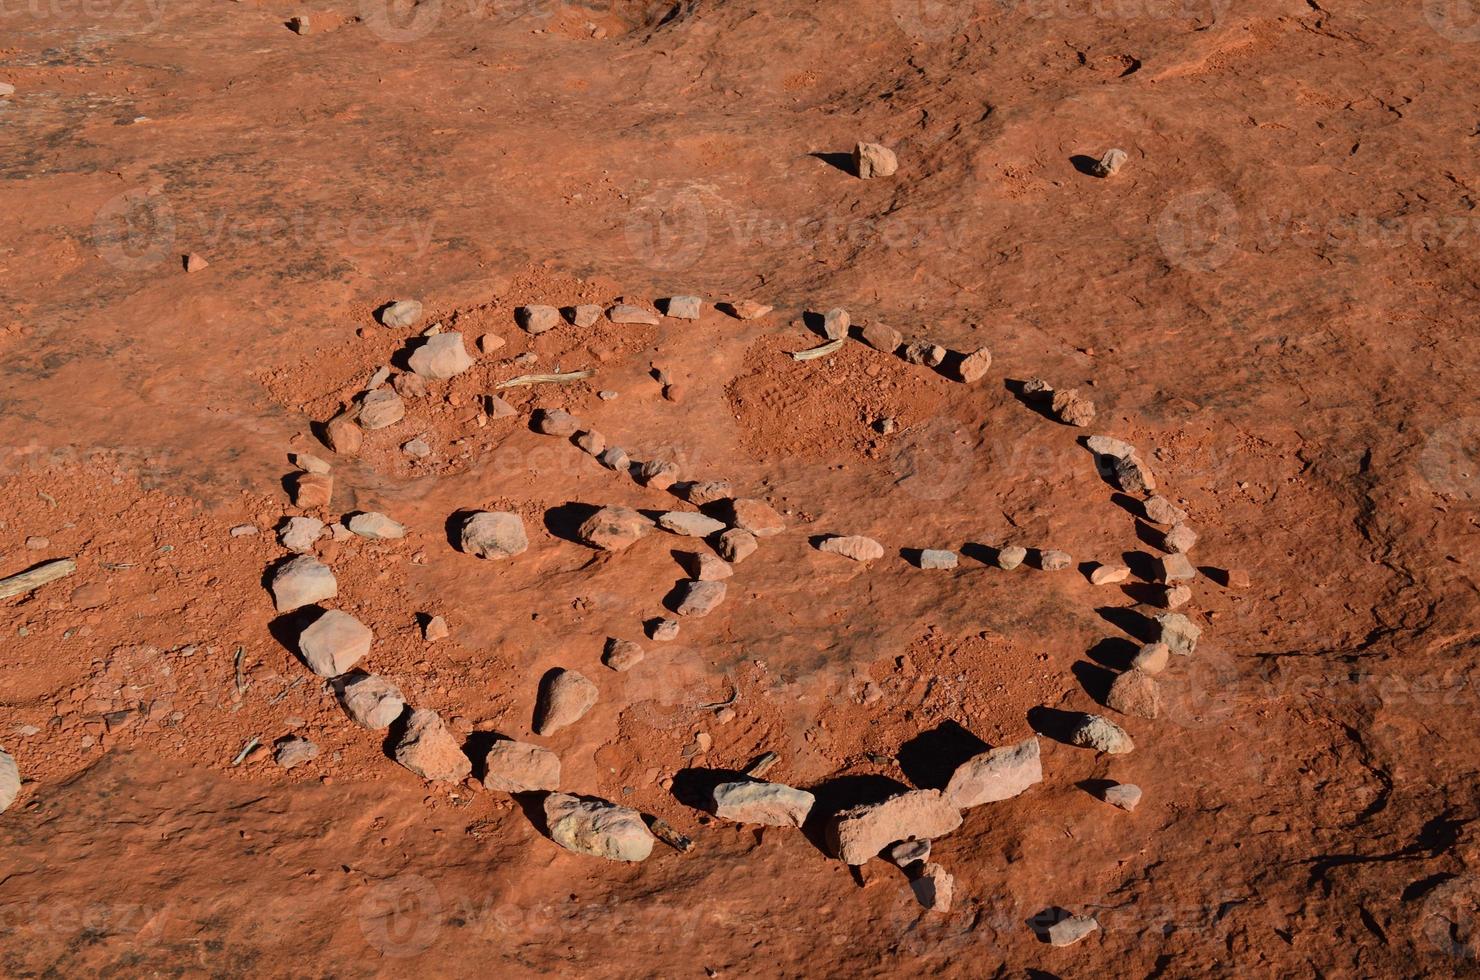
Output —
(1127, 796)
(1101, 734)
(417, 448)
(933, 558)
(748, 309)
(537, 319)
(597, 828)
(860, 833)
(402, 313)
(429, 749)
(1174, 596)
(490, 342)
(1110, 446)
(309, 463)
(301, 582)
(995, 775)
(372, 701)
(872, 160)
(627, 313)
(1176, 567)
(880, 336)
(555, 422)
(381, 409)
(334, 643)
(1152, 658)
(1135, 693)
(934, 888)
(443, 356)
(755, 516)
(292, 751)
(375, 526)
(565, 697)
(690, 524)
(1011, 557)
(699, 599)
(736, 545)
(613, 528)
(519, 767)
(853, 546)
(835, 323)
(312, 490)
(684, 307)
(658, 474)
(585, 315)
(10, 780)
(708, 568)
(244, 531)
(1111, 574)
(1067, 932)
(299, 533)
(622, 655)
(974, 366)
(772, 804)
(494, 535)
(1179, 633)
(1160, 510)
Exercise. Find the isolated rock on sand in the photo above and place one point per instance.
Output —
(299, 533)
(555, 422)
(494, 535)
(1180, 538)
(934, 888)
(907, 852)
(435, 629)
(881, 337)
(381, 408)
(1071, 408)
(835, 323)
(518, 767)
(401, 313)
(537, 319)
(10, 780)
(699, 599)
(292, 751)
(585, 315)
(312, 490)
(1109, 446)
(1134, 476)
(1179, 633)
(627, 313)
(1134, 693)
(375, 526)
(1127, 796)
(853, 546)
(874, 160)
(565, 697)
(613, 528)
(1101, 734)
(1152, 658)
(1054, 561)
(1109, 165)
(615, 458)
(302, 581)
(490, 342)
(755, 516)
(658, 474)
(372, 701)
(622, 655)
(974, 366)
(690, 524)
(708, 568)
(443, 356)
(334, 643)
(416, 448)
(1160, 510)
(428, 749)
(995, 775)
(860, 833)
(772, 804)
(597, 828)
(736, 545)
(1011, 557)
(934, 558)
(684, 307)
(1111, 574)
(924, 352)
(1067, 932)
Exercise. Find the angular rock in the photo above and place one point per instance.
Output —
(591, 442)
(1071, 408)
(309, 463)
(299, 533)
(1054, 561)
(1011, 557)
(494, 535)
(442, 356)
(496, 408)
(312, 490)
(708, 568)
(874, 160)
(10, 780)
(301, 582)
(1134, 476)
(934, 888)
(334, 643)
(1110, 446)
(565, 697)
(690, 524)
(924, 352)
(622, 655)
(881, 336)
(1174, 596)
(1180, 538)
(748, 309)
(1111, 574)
(490, 342)
(244, 531)
(435, 629)
(627, 313)
(615, 458)
(1160, 510)
(835, 323)
(381, 408)
(401, 313)
(658, 474)
(1176, 568)
(1135, 693)
(535, 320)
(853, 546)
(1152, 658)
(755, 516)
(735, 545)
(555, 422)
(907, 852)
(771, 804)
(416, 448)
(1127, 796)
(1037, 389)
(585, 315)
(428, 749)
(372, 701)
(294, 751)
(974, 366)
(860, 833)
(932, 558)
(1067, 932)
(375, 526)
(613, 528)
(519, 767)
(597, 828)
(1179, 633)
(704, 492)
(1101, 734)
(699, 599)
(684, 307)
(1109, 165)
(995, 775)
(663, 630)
(410, 385)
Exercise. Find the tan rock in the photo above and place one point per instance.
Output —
(627, 313)
(658, 474)
(613, 528)
(1152, 658)
(381, 408)
(622, 655)
(1072, 408)
(565, 697)
(597, 828)
(699, 599)
(519, 767)
(688, 523)
(301, 582)
(881, 337)
(1160, 510)
(860, 833)
(585, 315)
(736, 545)
(402, 313)
(494, 535)
(770, 804)
(995, 775)
(853, 546)
(429, 749)
(755, 516)
(442, 356)
(924, 352)
(872, 160)
(1054, 561)
(1180, 538)
(536, 320)
(555, 422)
(372, 701)
(1135, 693)
(835, 323)
(334, 643)
(1133, 476)
(1111, 574)
(974, 366)
(934, 888)
(311, 490)
(344, 435)
(1011, 557)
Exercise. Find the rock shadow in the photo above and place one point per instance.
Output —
(565, 520)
